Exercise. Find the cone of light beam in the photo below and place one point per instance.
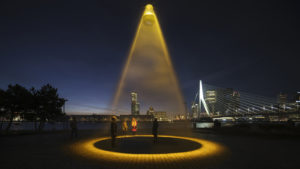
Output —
(149, 71)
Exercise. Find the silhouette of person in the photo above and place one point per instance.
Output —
(134, 126)
(155, 130)
(217, 124)
(73, 126)
(113, 130)
(124, 127)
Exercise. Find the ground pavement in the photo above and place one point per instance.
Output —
(52, 150)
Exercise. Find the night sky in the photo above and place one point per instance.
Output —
(80, 46)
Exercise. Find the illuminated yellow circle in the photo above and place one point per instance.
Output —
(208, 150)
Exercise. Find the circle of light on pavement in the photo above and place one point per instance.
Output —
(208, 150)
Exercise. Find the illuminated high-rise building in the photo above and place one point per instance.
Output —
(159, 115)
(135, 106)
(195, 110)
(223, 100)
(150, 111)
(282, 99)
(211, 98)
(235, 102)
(133, 97)
(297, 97)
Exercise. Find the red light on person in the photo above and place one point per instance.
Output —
(133, 125)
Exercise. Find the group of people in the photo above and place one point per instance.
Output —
(125, 126)
(113, 129)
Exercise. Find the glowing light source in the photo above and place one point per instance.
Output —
(149, 10)
(149, 71)
(208, 150)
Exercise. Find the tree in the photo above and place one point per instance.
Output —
(16, 102)
(2, 107)
(49, 104)
(33, 107)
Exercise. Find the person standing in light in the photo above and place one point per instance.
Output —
(134, 126)
(73, 125)
(155, 130)
(113, 130)
(124, 127)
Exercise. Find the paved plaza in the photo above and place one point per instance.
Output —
(52, 150)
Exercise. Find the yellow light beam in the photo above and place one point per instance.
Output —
(125, 70)
(148, 29)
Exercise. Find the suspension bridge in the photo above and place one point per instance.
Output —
(216, 101)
